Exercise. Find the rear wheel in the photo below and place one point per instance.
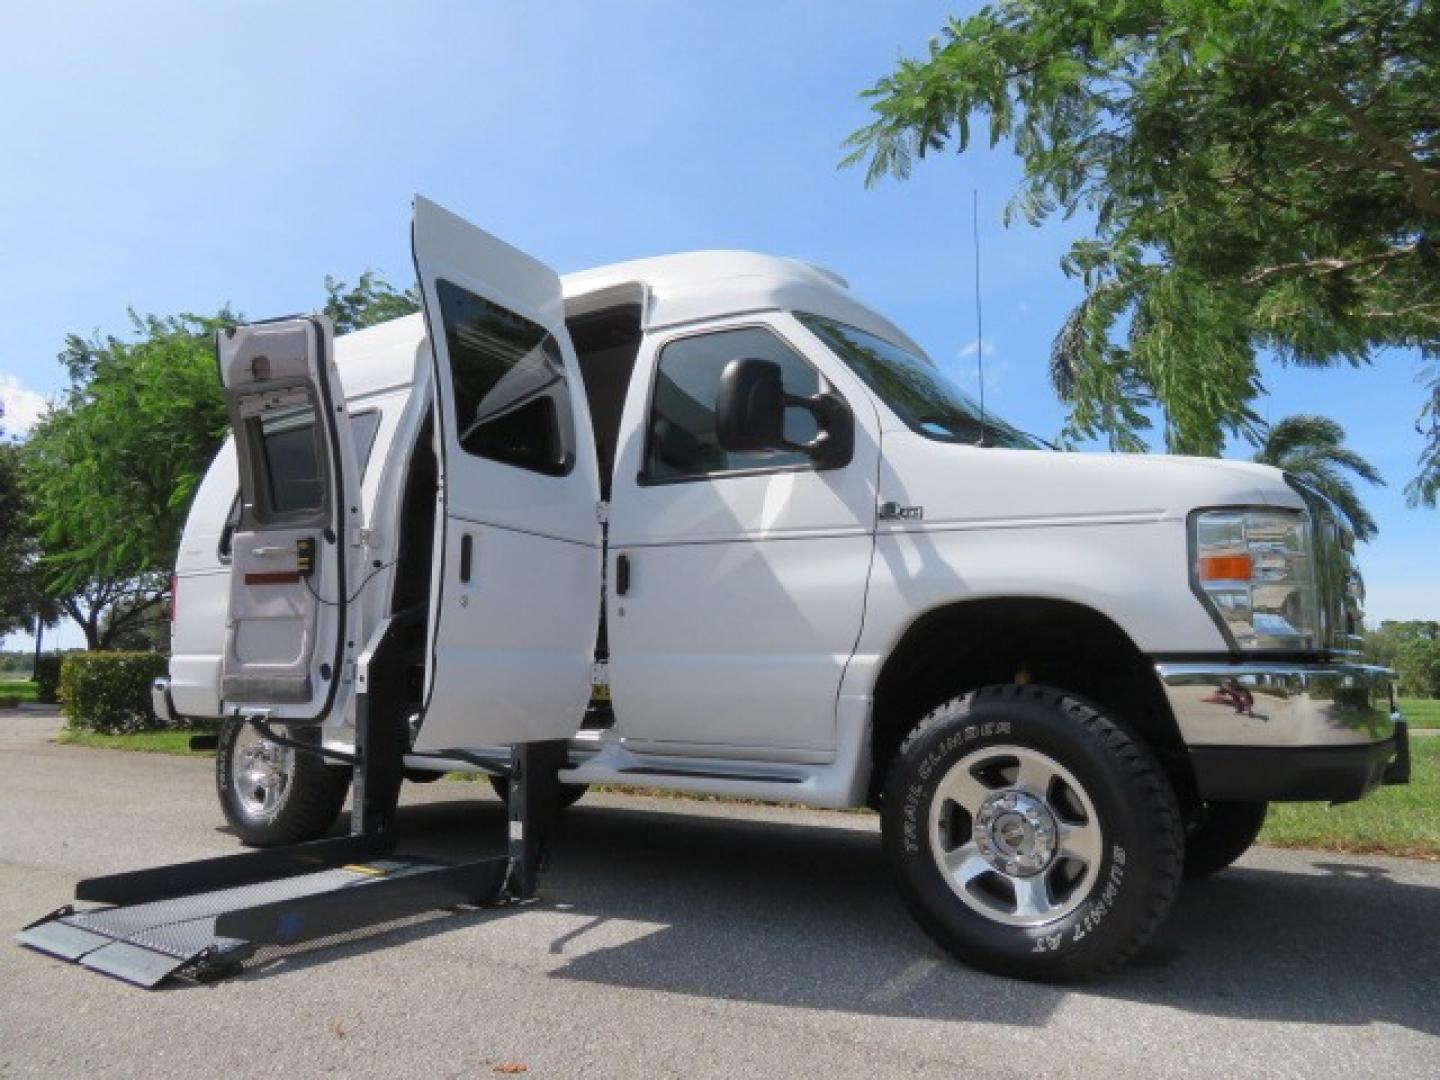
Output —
(1029, 835)
(272, 794)
(1218, 833)
(570, 794)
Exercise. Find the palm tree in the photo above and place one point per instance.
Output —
(1313, 448)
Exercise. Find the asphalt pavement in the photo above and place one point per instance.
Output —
(685, 938)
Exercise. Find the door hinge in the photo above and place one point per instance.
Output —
(602, 513)
(361, 537)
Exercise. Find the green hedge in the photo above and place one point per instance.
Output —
(46, 678)
(109, 692)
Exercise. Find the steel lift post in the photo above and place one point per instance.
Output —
(204, 919)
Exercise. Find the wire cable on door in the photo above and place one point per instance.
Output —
(353, 596)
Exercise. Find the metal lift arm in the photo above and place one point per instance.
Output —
(206, 918)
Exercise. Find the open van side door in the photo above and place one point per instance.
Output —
(295, 553)
(515, 596)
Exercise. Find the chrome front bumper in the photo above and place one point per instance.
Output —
(1276, 731)
(1265, 704)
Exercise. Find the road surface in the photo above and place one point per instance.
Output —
(681, 938)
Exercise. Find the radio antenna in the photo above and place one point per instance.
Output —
(979, 308)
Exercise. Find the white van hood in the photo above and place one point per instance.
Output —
(968, 485)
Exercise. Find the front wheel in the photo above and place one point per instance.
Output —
(1030, 836)
(271, 794)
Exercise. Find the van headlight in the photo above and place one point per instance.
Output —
(1256, 569)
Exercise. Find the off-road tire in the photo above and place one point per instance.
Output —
(1218, 833)
(1140, 849)
(314, 797)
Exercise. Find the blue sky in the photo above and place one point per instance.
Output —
(180, 156)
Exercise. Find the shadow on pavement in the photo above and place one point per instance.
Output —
(804, 915)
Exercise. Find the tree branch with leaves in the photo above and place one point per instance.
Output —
(1264, 175)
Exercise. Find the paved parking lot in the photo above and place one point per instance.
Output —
(682, 938)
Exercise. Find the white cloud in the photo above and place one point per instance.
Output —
(22, 406)
(971, 347)
(996, 375)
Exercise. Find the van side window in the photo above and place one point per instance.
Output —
(512, 403)
(680, 440)
(364, 426)
(291, 452)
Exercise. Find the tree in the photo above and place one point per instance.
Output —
(1382, 644)
(111, 471)
(148, 631)
(1417, 665)
(1313, 448)
(1264, 175)
(23, 603)
(108, 475)
(372, 300)
(1412, 649)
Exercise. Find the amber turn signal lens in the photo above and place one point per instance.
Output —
(1225, 568)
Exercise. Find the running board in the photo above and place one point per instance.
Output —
(210, 933)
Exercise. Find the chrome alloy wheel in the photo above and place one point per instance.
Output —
(262, 772)
(1015, 835)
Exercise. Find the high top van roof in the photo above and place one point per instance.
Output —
(672, 290)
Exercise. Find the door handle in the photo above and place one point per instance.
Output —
(467, 552)
(269, 552)
(622, 574)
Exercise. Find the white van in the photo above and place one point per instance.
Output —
(725, 529)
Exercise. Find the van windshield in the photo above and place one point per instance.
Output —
(914, 389)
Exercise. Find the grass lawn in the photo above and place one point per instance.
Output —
(16, 690)
(145, 742)
(1393, 821)
(1420, 712)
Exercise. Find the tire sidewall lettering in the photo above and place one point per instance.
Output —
(943, 753)
(1116, 898)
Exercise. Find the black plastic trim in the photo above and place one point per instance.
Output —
(1253, 656)
(1290, 773)
(709, 774)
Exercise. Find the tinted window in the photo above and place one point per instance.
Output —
(292, 460)
(511, 400)
(283, 434)
(681, 440)
(364, 426)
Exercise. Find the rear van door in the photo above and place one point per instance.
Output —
(296, 549)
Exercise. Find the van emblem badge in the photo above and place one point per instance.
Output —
(892, 511)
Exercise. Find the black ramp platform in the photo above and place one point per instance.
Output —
(146, 943)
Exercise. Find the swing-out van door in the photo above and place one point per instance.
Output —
(515, 599)
(295, 552)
